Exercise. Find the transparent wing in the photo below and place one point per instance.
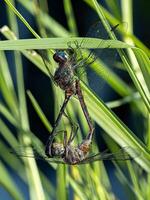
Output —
(101, 60)
(29, 152)
(121, 155)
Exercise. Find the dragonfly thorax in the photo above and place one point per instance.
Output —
(57, 150)
(64, 76)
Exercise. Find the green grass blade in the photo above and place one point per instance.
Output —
(144, 64)
(7, 182)
(140, 69)
(128, 99)
(148, 131)
(121, 29)
(34, 182)
(6, 74)
(59, 43)
(71, 18)
(61, 192)
(21, 18)
(7, 134)
(48, 22)
(123, 179)
(90, 44)
(124, 58)
(113, 6)
(76, 188)
(5, 112)
(127, 14)
(115, 128)
(136, 77)
(8, 95)
(103, 71)
(134, 178)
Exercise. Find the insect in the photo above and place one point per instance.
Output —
(68, 62)
(64, 77)
(67, 153)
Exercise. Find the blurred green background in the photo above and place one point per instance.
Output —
(30, 102)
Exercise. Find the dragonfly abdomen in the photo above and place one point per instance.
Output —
(74, 155)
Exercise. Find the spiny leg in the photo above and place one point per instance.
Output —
(85, 110)
(86, 61)
(73, 52)
(73, 129)
(89, 59)
(65, 139)
(53, 133)
(73, 134)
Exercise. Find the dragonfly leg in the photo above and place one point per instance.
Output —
(74, 129)
(86, 61)
(85, 110)
(73, 134)
(65, 142)
(65, 139)
(53, 133)
(73, 52)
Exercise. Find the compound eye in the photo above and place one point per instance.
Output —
(60, 57)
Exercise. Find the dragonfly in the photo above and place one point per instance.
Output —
(65, 77)
(67, 153)
(69, 61)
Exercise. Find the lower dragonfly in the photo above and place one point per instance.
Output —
(67, 153)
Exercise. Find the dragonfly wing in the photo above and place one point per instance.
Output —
(32, 153)
(101, 57)
(120, 155)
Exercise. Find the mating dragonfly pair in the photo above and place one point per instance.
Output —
(68, 62)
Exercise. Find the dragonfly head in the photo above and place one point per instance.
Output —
(60, 56)
(57, 150)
